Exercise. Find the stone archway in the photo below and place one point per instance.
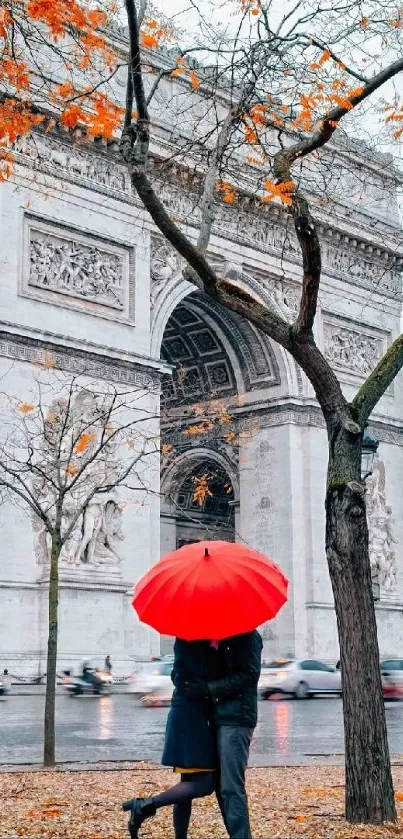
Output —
(216, 357)
(192, 519)
(221, 354)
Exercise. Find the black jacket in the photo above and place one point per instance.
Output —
(234, 693)
(233, 687)
(189, 737)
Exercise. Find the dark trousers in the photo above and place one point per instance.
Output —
(233, 752)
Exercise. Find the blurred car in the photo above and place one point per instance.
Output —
(300, 678)
(392, 678)
(153, 677)
(159, 698)
(4, 686)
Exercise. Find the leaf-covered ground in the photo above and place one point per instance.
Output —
(284, 802)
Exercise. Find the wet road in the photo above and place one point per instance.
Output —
(116, 728)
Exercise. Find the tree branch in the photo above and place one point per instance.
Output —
(208, 210)
(330, 122)
(135, 61)
(304, 223)
(338, 60)
(378, 382)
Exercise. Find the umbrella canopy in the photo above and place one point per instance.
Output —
(210, 590)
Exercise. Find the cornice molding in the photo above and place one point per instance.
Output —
(80, 359)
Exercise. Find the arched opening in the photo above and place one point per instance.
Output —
(205, 505)
(188, 516)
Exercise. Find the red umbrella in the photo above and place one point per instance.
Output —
(210, 590)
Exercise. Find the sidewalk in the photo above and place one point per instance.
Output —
(85, 804)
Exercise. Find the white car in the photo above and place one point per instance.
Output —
(302, 678)
(153, 677)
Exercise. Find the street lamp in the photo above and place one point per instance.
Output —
(369, 449)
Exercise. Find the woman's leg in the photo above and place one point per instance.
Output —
(181, 818)
(192, 785)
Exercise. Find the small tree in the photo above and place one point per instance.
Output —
(64, 455)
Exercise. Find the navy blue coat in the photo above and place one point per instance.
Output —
(190, 741)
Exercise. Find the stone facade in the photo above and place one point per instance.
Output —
(88, 282)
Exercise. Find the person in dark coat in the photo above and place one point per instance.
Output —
(234, 699)
(190, 742)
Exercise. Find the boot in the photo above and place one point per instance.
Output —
(140, 810)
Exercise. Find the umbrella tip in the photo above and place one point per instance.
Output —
(206, 553)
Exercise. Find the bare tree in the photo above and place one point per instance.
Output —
(274, 89)
(69, 456)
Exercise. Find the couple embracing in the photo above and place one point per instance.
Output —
(208, 733)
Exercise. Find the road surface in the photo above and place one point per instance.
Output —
(117, 728)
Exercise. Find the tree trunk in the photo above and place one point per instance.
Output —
(49, 728)
(369, 787)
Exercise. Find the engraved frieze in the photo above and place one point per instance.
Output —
(70, 267)
(352, 349)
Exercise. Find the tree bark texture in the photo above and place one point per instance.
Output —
(49, 754)
(369, 787)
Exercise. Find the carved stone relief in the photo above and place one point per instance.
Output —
(75, 269)
(165, 263)
(97, 531)
(341, 254)
(352, 349)
(71, 160)
(70, 267)
(380, 526)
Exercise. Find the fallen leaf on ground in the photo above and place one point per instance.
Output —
(87, 804)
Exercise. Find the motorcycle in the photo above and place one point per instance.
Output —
(4, 688)
(91, 681)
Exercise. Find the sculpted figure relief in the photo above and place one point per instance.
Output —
(101, 528)
(352, 349)
(76, 269)
(97, 530)
(380, 526)
(164, 264)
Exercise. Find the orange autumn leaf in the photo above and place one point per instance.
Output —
(51, 813)
(71, 469)
(65, 90)
(201, 490)
(364, 22)
(26, 408)
(148, 40)
(342, 102)
(72, 115)
(227, 192)
(399, 796)
(166, 449)
(194, 81)
(250, 134)
(283, 191)
(194, 429)
(84, 441)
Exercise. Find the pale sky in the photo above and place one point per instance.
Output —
(223, 16)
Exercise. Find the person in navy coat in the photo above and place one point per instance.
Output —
(190, 740)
